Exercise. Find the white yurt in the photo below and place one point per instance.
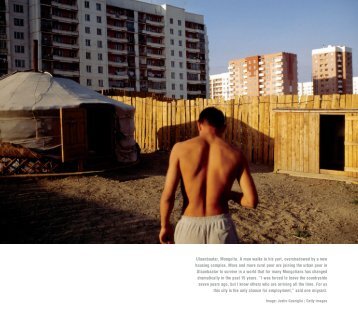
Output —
(48, 119)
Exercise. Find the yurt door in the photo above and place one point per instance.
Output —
(73, 134)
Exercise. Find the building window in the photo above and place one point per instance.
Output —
(98, 7)
(99, 19)
(179, 22)
(19, 22)
(171, 31)
(181, 64)
(180, 53)
(87, 17)
(171, 42)
(180, 43)
(171, 21)
(173, 75)
(19, 49)
(88, 42)
(179, 33)
(88, 55)
(18, 8)
(173, 86)
(99, 44)
(19, 35)
(88, 68)
(181, 87)
(100, 83)
(181, 76)
(87, 5)
(172, 52)
(20, 63)
(99, 31)
(173, 96)
(89, 82)
(173, 64)
(100, 69)
(87, 30)
(100, 56)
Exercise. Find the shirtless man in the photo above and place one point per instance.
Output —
(208, 167)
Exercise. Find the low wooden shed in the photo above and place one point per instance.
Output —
(47, 121)
(317, 135)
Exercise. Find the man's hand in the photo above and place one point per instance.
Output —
(166, 235)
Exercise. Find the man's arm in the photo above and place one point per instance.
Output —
(248, 197)
(168, 197)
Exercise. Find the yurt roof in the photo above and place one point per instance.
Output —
(29, 91)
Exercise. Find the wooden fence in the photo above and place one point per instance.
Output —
(250, 120)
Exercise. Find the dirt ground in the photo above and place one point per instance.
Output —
(122, 206)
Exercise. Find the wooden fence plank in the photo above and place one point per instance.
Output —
(306, 142)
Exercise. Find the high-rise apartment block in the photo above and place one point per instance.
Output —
(332, 70)
(124, 44)
(271, 74)
(220, 86)
(305, 88)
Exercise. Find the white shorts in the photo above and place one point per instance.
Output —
(217, 229)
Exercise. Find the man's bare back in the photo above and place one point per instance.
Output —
(208, 167)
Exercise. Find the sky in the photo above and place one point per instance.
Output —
(242, 28)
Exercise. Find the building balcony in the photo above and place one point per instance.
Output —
(198, 92)
(117, 27)
(192, 50)
(117, 16)
(117, 39)
(119, 75)
(156, 79)
(154, 23)
(156, 45)
(117, 64)
(66, 73)
(155, 67)
(156, 56)
(151, 32)
(117, 51)
(64, 6)
(193, 60)
(192, 39)
(65, 45)
(193, 71)
(156, 90)
(68, 59)
(64, 32)
(65, 19)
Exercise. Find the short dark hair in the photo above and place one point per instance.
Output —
(213, 117)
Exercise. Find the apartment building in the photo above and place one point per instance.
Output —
(3, 39)
(124, 44)
(305, 88)
(271, 74)
(220, 86)
(355, 85)
(332, 70)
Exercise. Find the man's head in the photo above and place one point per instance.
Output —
(213, 119)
